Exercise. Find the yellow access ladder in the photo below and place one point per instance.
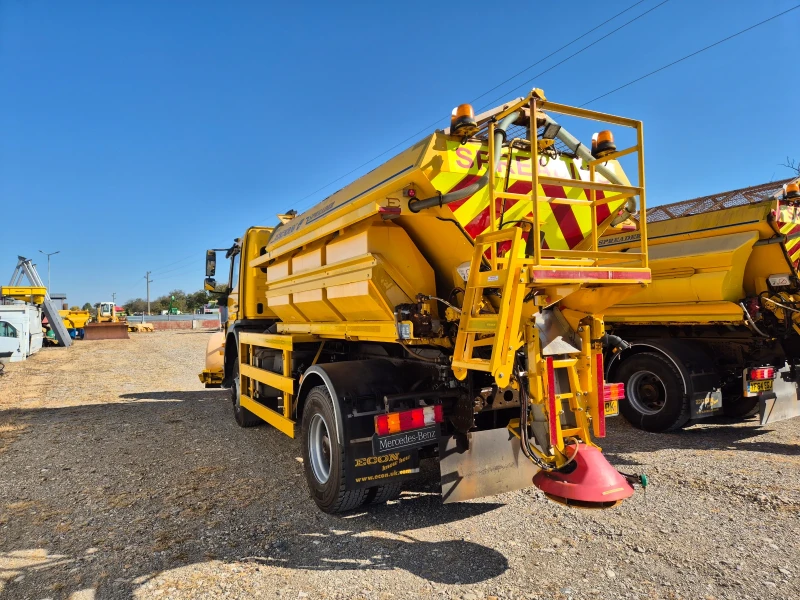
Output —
(500, 330)
(584, 279)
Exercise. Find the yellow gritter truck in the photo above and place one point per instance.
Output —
(718, 330)
(446, 305)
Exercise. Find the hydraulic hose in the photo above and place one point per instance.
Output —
(616, 342)
(440, 200)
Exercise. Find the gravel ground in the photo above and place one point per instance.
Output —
(120, 477)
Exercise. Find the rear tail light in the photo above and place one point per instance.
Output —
(408, 419)
(613, 391)
(762, 373)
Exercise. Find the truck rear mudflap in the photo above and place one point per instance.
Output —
(782, 403)
(482, 463)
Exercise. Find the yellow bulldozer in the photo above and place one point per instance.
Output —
(110, 323)
(447, 305)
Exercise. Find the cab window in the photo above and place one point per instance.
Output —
(8, 330)
(235, 270)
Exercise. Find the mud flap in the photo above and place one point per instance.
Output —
(782, 403)
(706, 404)
(482, 463)
(368, 470)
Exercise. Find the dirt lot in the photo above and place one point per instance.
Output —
(120, 477)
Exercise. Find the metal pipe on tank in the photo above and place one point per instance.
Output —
(582, 152)
(442, 199)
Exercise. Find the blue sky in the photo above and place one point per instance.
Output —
(135, 135)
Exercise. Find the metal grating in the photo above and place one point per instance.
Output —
(740, 197)
(521, 132)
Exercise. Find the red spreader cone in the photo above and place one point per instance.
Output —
(592, 483)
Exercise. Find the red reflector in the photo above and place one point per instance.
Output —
(539, 274)
(438, 413)
(613, 391)
(762, 373)
(382, 424)
(600, 426)
(552, 413)
(389, 210)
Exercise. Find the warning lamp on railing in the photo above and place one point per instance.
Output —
(462, 121)
(791, 191)
(603, 144)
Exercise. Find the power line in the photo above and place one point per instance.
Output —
(428, 127)
(574, 54)
(541, 60)
(161, 273)
(185, 258)
(717, 43)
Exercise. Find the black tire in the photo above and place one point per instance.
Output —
(735, 404)
(655, 399)
(318, 436)
(244, 418)
(383, 493)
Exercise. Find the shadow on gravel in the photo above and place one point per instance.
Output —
(105, 497)
(711, 436)
(179, 396)
(379, 539)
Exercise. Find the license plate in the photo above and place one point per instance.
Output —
(612, 408)
(755, 387)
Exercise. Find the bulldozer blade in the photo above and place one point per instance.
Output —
(105, 331)
(482, 463)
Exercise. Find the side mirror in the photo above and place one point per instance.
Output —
(211, 263)
(209, 284)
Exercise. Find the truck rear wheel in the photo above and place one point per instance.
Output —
(735, 404)
(244, 418)
(324, 460)
(383, 493)
(655, 399)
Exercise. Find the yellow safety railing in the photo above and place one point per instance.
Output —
(589, 256)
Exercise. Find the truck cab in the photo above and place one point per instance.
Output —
(241, 300)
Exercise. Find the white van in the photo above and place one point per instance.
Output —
(20, 331)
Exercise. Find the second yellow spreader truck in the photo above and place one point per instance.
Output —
(448, 304)
(718, 330)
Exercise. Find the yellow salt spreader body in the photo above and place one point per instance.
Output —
(449, 305)
(718, 330)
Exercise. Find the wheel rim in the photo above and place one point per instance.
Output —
(646, 392)
(319, 448)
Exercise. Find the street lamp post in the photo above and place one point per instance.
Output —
(48, 267)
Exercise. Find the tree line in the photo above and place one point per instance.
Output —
(184, 302)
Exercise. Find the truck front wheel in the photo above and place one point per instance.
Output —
(244, 418)
(324, 459)
(655, 399)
